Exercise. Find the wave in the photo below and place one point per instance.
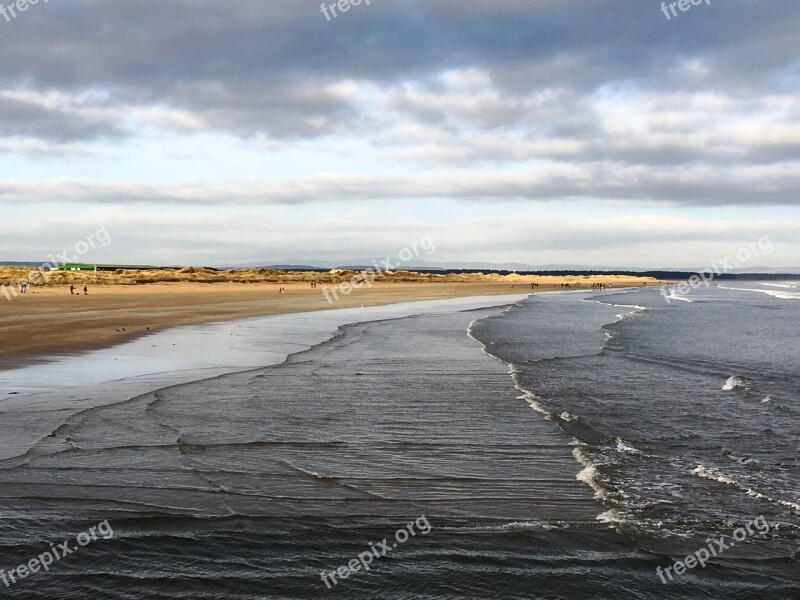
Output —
(590, 475)
(625, 447)
(673, 295)
(534, 401)
(612, 517)
(715, 475)
(790, 286)
(736, 383)
(782, 295)
(585, 439)
(512, 526)
(605, 302)
(773, 293)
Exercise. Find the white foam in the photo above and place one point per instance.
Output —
(534, 525)
(623, 446)
(782, 295)
(611, 517)
(714, 475)
(534, 402)
(673, 295)
(773, 293)
(636, 309)
(515, 526)
(735, 383)
(790, 286)
(589, 475)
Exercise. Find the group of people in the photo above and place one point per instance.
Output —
(595, 286)
(72, 290)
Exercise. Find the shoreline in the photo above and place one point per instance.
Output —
(49, 323)
(45, 394)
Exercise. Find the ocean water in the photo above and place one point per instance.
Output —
(562, 446)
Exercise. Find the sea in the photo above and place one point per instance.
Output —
(569, 445)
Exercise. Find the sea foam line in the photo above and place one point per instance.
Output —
(773, 293)
(714, 475)
(589, 475)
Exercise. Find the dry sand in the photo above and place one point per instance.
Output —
(48, 320)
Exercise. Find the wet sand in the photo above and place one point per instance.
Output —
(50, 321)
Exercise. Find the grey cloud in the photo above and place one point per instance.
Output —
(255, 52)
(696, 185)
(239, 236)
(26, 118)
(275, 68)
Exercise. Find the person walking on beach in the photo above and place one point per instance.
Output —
(71, 290)
(85, 290)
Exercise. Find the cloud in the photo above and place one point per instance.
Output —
(53, 117)
(554, 103)
(266, 66)
(175, 237)
(699, 185)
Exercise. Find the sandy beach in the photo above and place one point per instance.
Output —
(48, 320)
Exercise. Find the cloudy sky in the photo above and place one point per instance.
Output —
(591, 132)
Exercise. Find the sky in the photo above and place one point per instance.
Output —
(599, 132)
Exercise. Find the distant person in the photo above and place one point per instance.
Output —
(72, 290)
(85, 290)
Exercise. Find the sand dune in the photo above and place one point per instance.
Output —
(10, 275)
